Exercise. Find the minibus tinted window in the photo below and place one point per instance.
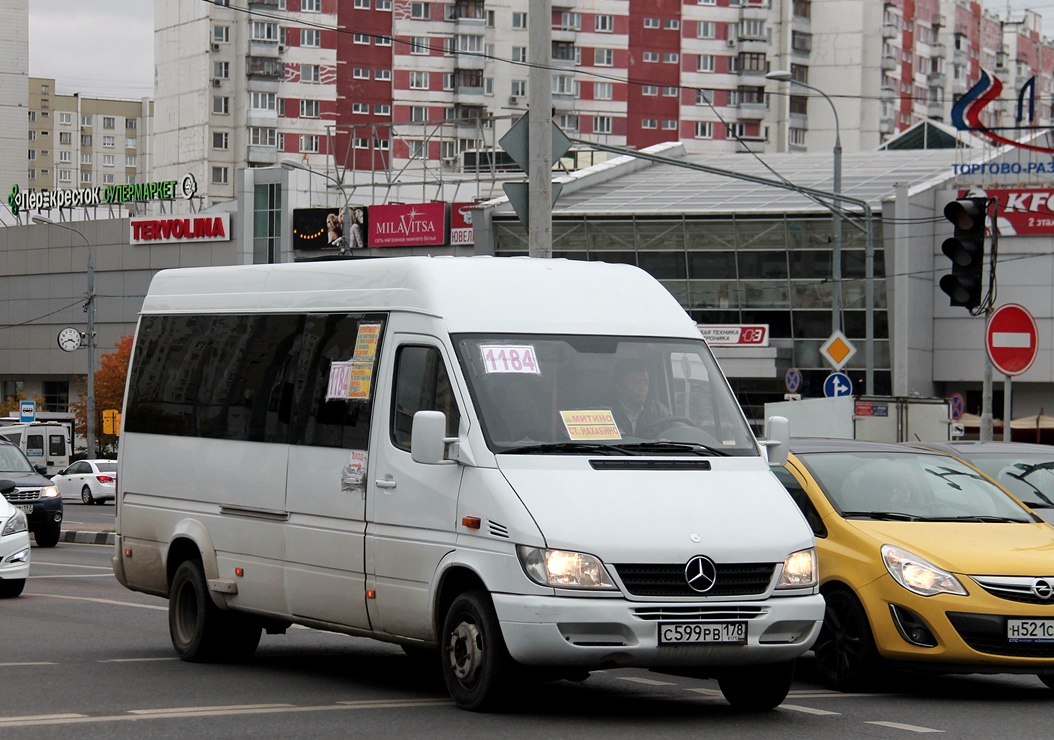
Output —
(56, 445)
(421, 384)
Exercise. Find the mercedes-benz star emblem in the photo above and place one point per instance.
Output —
(1042, 589)
(701, 574)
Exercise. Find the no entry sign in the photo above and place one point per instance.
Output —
(1011, 339)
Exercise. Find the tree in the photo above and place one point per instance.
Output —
(109, 393)
(12, 404)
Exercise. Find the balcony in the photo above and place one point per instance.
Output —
(262, 155)
(751, 111)
(470, 60)
(261, 118)
(756, 144)
(466, 94)
(938, 50)
(935, 109)
(269, 49)
(936, 79)
(889, 64)
(469, 14)
(755, 45)
(890, 31)
(886, 125)
(565, 35)
(754, 10)
(268, 67)
(959, 86)
(563, 54)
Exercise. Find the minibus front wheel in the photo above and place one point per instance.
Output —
(201, 632)
(476, 664)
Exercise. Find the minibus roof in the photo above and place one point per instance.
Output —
(472, 294)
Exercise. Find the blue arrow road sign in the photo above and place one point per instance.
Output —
(837, 384)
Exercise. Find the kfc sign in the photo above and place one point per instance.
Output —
(1022, 212)
(416, 225)
(172, 229)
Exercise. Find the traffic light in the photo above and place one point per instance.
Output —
(966, 251)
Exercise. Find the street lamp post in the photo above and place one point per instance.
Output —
(836, 214)
(90, 336)
(289, 164)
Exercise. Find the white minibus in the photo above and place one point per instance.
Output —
(510, 466)
(45, 443)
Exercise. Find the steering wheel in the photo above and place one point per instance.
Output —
(662, 424)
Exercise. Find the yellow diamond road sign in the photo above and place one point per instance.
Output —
(837, 350)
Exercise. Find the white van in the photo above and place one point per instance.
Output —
(427, 451)
(45, 443)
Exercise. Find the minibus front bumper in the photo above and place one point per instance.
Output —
(612, 632)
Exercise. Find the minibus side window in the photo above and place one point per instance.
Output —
(35, 445)
(56, 445)
(421, 384)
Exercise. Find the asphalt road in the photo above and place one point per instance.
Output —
(84, 657)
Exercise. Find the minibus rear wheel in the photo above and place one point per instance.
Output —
(476, 664)
(201, 632)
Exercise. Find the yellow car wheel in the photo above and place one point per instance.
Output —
(845, 650)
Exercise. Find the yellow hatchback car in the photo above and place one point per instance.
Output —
(924, 564)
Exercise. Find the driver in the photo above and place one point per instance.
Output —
(633, 410)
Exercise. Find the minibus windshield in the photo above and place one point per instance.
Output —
(588, 394)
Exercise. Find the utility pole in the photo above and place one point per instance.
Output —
(539, 134)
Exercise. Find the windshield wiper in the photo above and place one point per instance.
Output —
(978, 518)
(695, 448)
(568, 448)
(886, 516)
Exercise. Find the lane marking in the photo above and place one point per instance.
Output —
(645, 681)
(15, 665)
(901, 726)
(829, 694)
(101, 601)
(141, 715)
(71, 565)
(185, 710)
(74, 575)
(707, 692)
(136, 660)
(807, 710)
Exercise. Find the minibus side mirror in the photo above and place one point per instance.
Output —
(428, 438)
(777, 440)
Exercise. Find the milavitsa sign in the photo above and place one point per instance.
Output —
(42, 200)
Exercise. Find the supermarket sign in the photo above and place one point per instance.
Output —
(735, 335)
(43, 200)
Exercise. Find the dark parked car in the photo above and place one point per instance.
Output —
(1026, 470)
(34, 494)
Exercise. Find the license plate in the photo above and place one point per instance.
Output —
(27, 508)
(671, 633)
(1030, 630)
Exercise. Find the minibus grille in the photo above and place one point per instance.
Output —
(733, 579)
(657, 613)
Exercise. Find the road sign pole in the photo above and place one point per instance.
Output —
(540, 122)
(986, 392)
(1006, 407)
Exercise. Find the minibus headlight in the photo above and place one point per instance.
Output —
(563, 569)
(49, 492)
(16, 524)
(918, 575)
(799, 570)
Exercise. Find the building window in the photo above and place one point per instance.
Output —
(130, 161)
(518, 87)
(31, 173)
(419, 45)
(85, 120)
(382, 109)
(753, 62)
(670, 92)
(362, 108)
(384, 4)
(649, 90)
(310, 108)
(362, 4)
(310, 37)
(652, 23)
(311, 6)
(417, 149)
(383, 41)
(309, 143)
(220, 139)
(85, 139)
(130, 124)
(65, 137)
(32, 155)
(65, 176)
(310, 73)
(706, 63)
(706, 30)
(797, 136)
(56, 395)
(86, 158)
(671, 24)
(651, 56)
(221, 105)
(601, 124)
(704, 130)
(108, 122)
(382, 74)
(603, 57)
(262, 101)
(45, 89)
(361, 38)
(65, 118)
(735, 130)
(671, 57)
(263, 31)
(130, 143)
(360, 142)
(219, 175)
(649, 123)
(570, 21)
(419, 11)
(32, 136)
(107, 160)
(64, 157)
(604, 24)
(221, 35)
(220, 70)
(263, 136)
(601, 91)
(361, 73)
(418, 114)
(519, 54)
(563, 85)
(85, 178)
(704, 97)
(418, 80)
(669, 124)
(568, 121)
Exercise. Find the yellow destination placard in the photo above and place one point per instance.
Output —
(366, 342)
(590, 425)
(359, 383)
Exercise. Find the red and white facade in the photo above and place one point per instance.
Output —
(386, 84)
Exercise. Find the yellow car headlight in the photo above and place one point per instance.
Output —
(918, 575)
(799, 570)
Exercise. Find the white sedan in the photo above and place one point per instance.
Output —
(14, 546)
(92, 481)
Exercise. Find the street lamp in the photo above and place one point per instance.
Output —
(836, 212)
(90, 338)
(289, 164)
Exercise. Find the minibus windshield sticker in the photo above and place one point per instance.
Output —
(361, 376)
(509, 358)
(354, 473)
(584, 425)
(366, 342)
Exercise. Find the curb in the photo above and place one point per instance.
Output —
(87, 538)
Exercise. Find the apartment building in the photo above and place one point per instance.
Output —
(390, 85)
(14, 72)
(77, 141)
